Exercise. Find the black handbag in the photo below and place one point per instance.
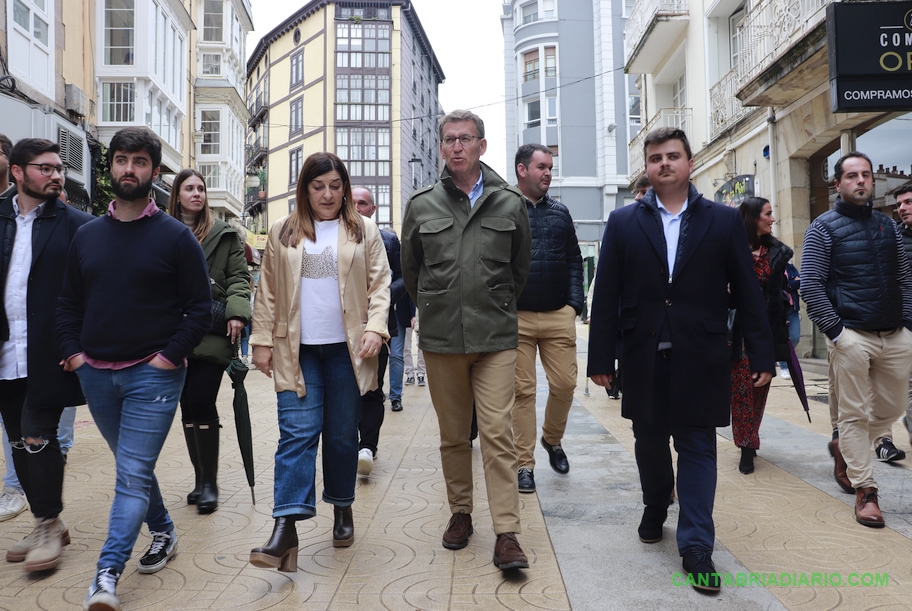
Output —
(219, 313)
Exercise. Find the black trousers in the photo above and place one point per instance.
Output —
(201, 388)
(372, 410)
(40, 471)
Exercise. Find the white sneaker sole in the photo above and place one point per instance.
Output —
(365, 465)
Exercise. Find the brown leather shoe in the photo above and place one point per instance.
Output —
(508, 554)
(867, 511)
(839, 470)
(456, 535)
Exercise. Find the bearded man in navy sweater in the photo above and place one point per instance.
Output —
(135, 302)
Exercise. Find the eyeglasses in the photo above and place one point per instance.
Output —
(450, 141)
(47, 169)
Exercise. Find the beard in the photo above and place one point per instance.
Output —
(33, 189)
(132, 193)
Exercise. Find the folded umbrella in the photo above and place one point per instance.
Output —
(237, 371)
(798, 379)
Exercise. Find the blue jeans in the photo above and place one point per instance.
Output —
(9, 477)
(794, 327)
(331, 407)
(133, 408)
(245, 339)
(396, 364)
(65, 430)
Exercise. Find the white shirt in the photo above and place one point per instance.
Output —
(321, 305)
(13, 355)
(672, 226)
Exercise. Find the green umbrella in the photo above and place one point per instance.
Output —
(237, 371)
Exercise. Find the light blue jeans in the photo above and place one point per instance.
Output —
(794, 327)
(331, 408)
(133, 408)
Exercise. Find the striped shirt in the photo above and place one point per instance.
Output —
(815, 271)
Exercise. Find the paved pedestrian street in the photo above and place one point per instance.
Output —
(785, 533)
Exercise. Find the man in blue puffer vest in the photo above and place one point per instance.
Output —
(547, 309)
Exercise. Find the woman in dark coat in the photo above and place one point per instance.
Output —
(770, 258)
(230, 282)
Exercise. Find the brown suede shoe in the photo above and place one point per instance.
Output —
(839, 470)
(456, 535)
(867, 511)
(508, 554)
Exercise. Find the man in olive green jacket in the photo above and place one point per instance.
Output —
(466, 251)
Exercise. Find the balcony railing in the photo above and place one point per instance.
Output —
(256, 152)
(550, 72)
(771, 28)
(667, 117)
(257, 111)
(643, 14)
(726, 109)
(530, 75)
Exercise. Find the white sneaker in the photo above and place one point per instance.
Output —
(12, 503)
(365, 461)
(784, 374)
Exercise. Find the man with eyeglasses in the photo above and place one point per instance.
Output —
(466, 251)
(37, 229)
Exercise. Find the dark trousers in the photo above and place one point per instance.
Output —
(696, 448)
(372, 411)
(200, 391)
(40, 470)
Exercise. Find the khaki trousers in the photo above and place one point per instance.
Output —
(871, 379)
(554, 334)
(456, 381)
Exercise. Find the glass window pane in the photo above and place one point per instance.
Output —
(41, 30)
(21, 14)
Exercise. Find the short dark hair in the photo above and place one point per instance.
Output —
(901, 190)
(6, 145)
(524, 154)
(642, 183)
(664, 134)
(750, 210)
(28, 148)
(837, 169)
(133, 140)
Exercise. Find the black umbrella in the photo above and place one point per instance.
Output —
(237, 371)
(798, 379)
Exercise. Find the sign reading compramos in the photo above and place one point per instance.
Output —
(869, 46)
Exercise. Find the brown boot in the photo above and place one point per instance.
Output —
(867, 511)
(839, 470)
(508, 554)
(456, 535)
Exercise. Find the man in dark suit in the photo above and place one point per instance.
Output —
(662, 288)
(36, 230)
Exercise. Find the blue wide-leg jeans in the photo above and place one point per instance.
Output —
(133, 408)
(331, 407)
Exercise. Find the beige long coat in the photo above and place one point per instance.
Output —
(364, 281)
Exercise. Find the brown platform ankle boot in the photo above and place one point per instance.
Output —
(343, 526)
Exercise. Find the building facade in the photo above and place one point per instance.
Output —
(562, 91)
(355, 78)
(749, 83)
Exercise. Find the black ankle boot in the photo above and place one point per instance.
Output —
(207, 436)
(193, 450)
(747, 460)
(281, 551)
(343, 526)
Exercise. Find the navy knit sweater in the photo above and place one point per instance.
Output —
(134, 289)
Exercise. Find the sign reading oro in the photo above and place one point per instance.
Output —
(869, 49)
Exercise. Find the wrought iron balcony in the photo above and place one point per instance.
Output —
(651, 30)
(725, 108)
(666, 117)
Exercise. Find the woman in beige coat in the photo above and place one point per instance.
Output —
(319, 320)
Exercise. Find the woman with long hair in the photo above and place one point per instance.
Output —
(770, 257)
(319, 321)
(230, 282)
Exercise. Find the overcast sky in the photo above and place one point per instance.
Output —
(468, 42)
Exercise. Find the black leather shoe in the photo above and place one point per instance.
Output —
(557, 457)
(343, 527)
(701, 571)
(746, 466)
(281, 551)
(396, 405)
(650, 530)
(526, 480)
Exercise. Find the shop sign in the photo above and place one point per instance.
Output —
(736, 190)
(869, 50)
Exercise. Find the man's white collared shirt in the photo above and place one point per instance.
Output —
(671, 223)
(13, 355)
